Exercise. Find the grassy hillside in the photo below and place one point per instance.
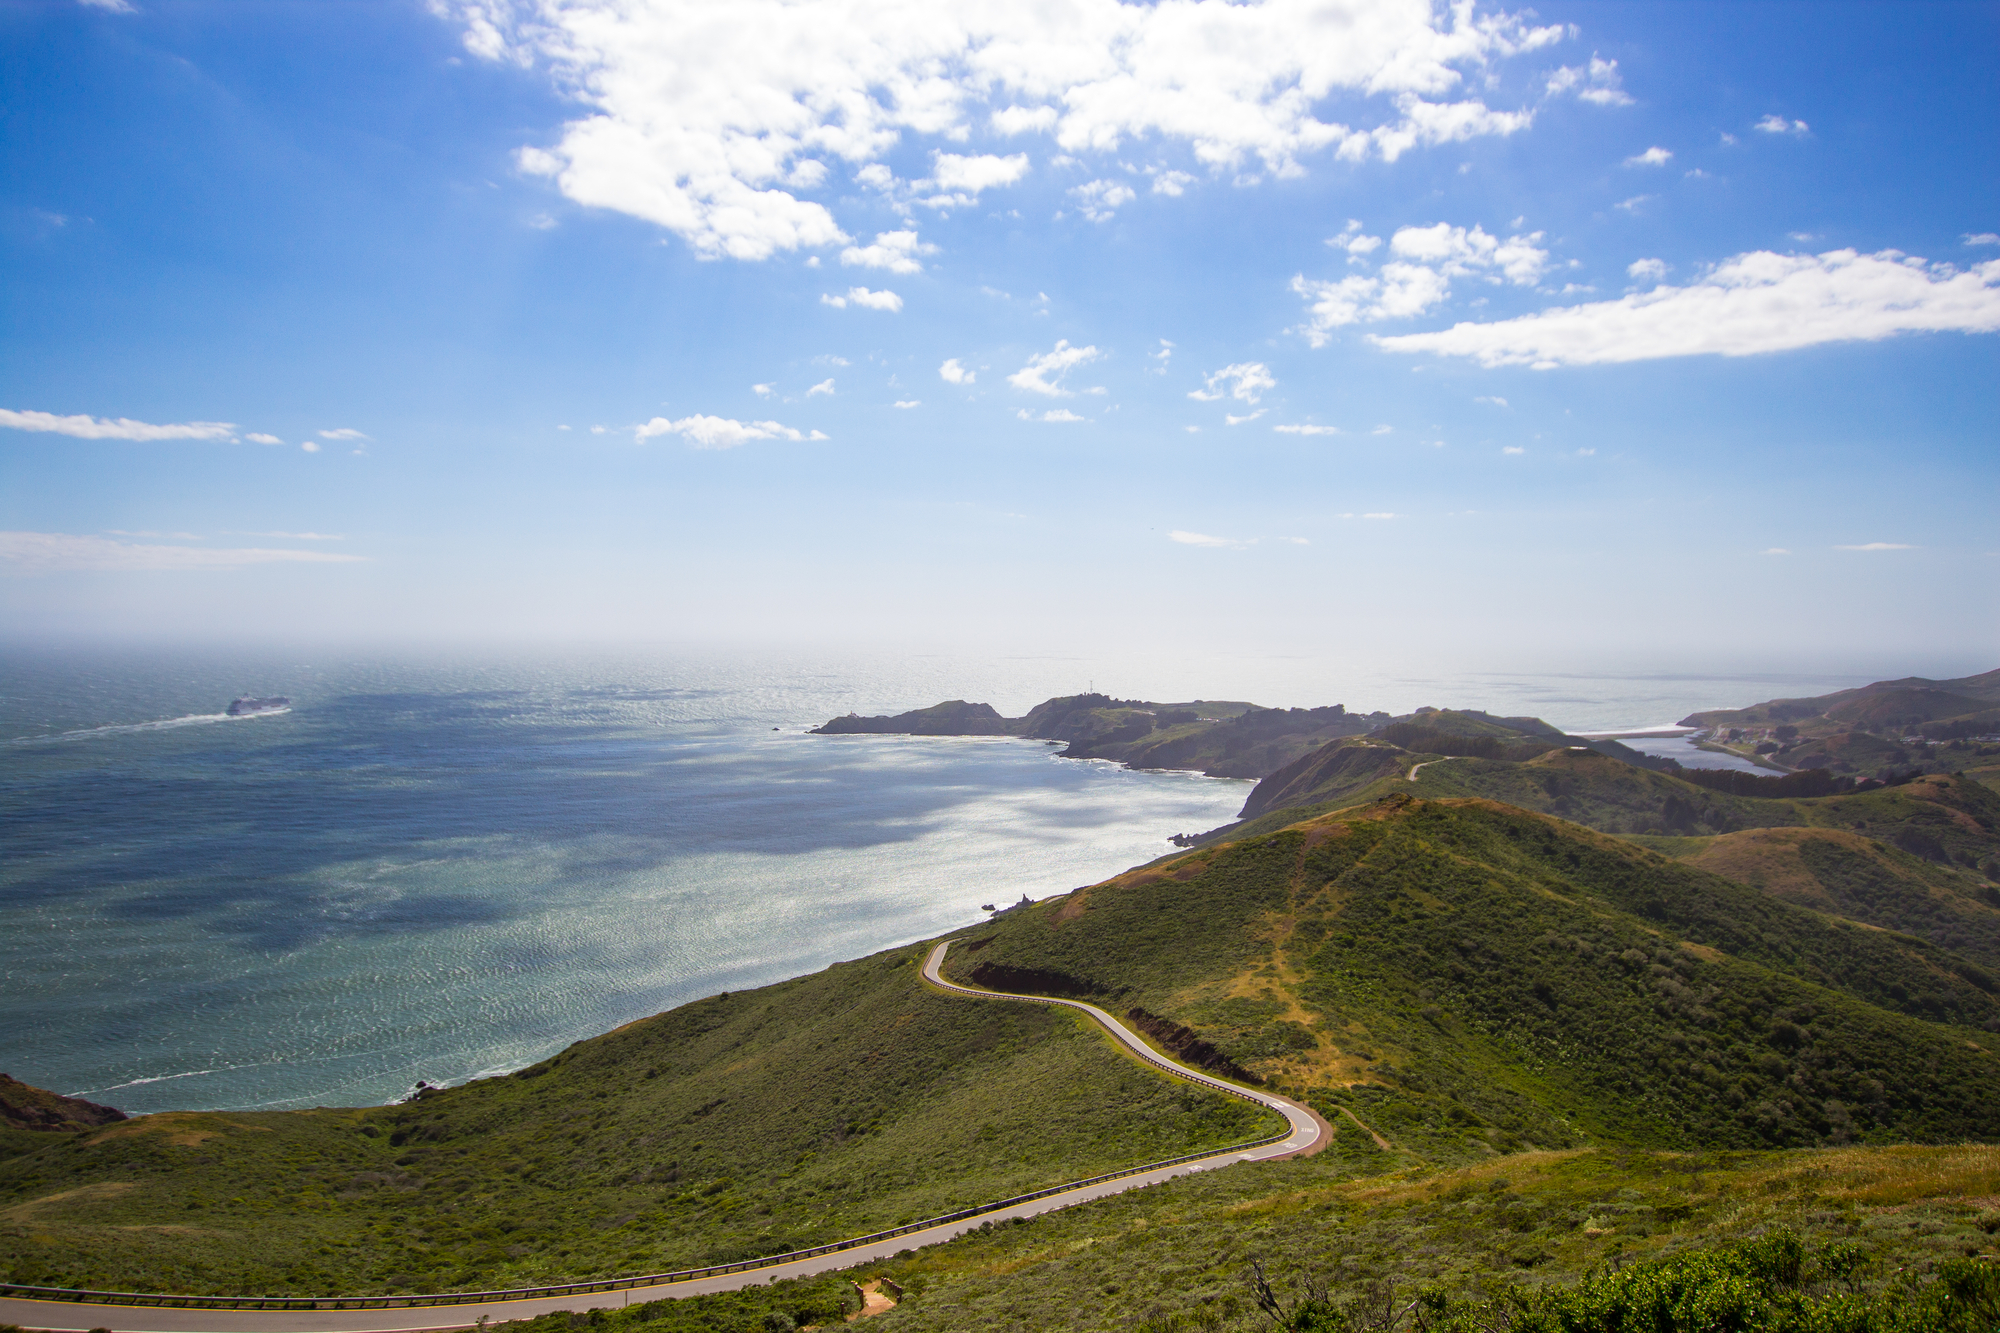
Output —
(1469, 978)
(747, 1124)
(1368, 1224)
(1848, 875)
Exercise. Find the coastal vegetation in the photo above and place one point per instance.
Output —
(825, 1107)
(1883, 1234)
(1597, 1035)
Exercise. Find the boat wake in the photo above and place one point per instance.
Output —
(135, 728)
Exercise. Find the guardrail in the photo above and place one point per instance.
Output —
(74, 1294)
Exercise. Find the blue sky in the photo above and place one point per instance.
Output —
(1604, 329)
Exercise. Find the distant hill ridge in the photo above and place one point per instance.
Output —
(1221, 738)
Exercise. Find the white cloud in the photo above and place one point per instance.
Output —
(1513, 449)
(1495, 401)
(114, 6)
(1244, 381)
(1045, 371)
(1757, 302)
(1357, 245)
(1383, 430)
(123, 428)
(1775, 124)
(343, 433)
(1655, 269)
(1061, 414)
(1099, 200)
(763, 390)
(909, 402)
(973, 174)
(1237, 421)
(1877, 546)
(1775, 550)
(258, 437)
(1307, 430)
(861, 296)
(1597, 82)
(597, 430)
(1983, 238)
(1173, 184)
(1586, 453)
(1427, 259)
(48, 552)
(706, 432)
(824, 386)
(1021, 119)
(310, 446)
(1652, 157)
(951, 372)
(1201, 539)
(896, 251)
(1635, 203)
(713, 121)
(1382, 516)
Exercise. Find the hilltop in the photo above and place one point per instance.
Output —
(1471, 978)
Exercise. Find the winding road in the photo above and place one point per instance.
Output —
(1309, 1133)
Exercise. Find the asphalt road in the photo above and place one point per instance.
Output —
(1309, 1134)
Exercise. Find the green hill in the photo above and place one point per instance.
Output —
(1471, 978)
(747, 1124)
(1912, 723)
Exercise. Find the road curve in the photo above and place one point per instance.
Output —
(1309, 1133)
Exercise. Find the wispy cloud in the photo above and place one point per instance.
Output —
(1307, 430)
(1424, 262)
(1754, 303)
(343, 433)
(896, 251)
(825, 386)
(1045, 371)
(258, 437)
(1057, 414)
(1202, 539)
(864, 298)
(1252, 416)
(1597, 82)
(706, 432)
(1245, 382)
(50, 552)
(1652, 157)
(907, 403)
(296, 536)
(1100, 200)
(1775, 124)
(1878, 546)
(1775, 550)
(122, 428)
(1643, 269)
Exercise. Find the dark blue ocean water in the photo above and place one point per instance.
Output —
(437, 869)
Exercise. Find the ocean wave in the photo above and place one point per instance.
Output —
(134, 728)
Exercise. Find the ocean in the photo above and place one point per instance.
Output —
(439, 868)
